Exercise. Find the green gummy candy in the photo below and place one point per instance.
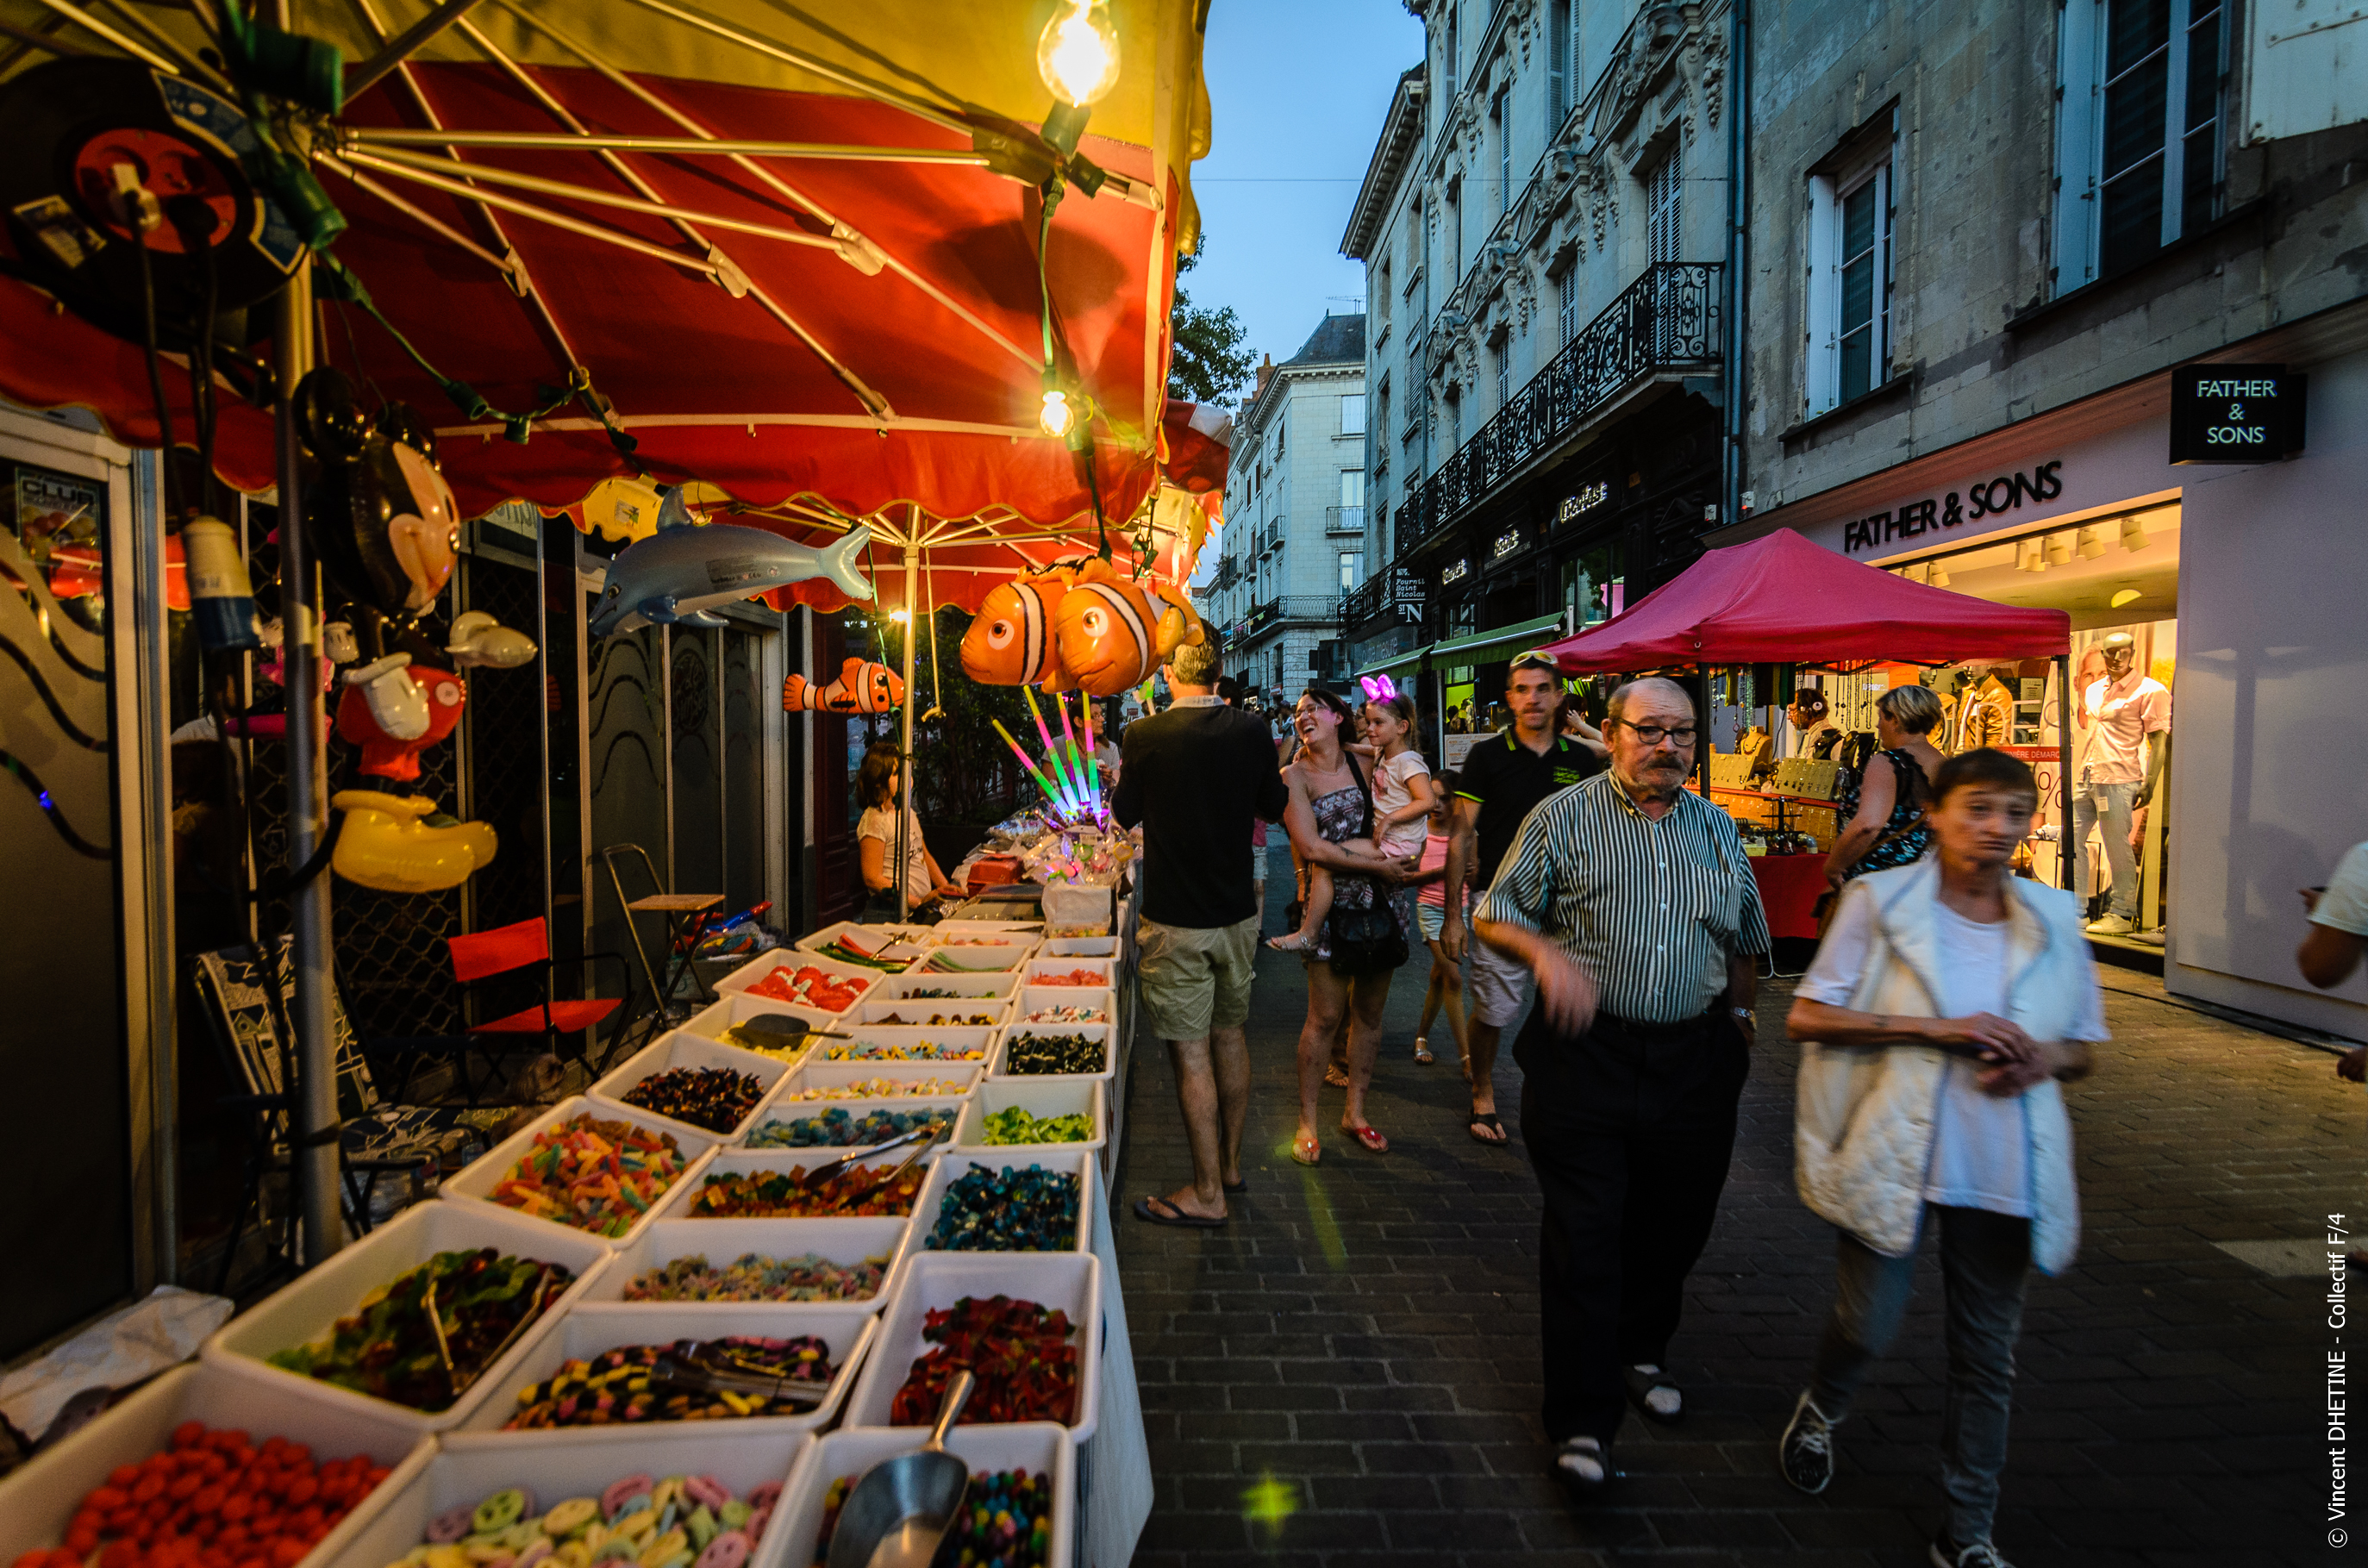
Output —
(701, 1527)
(735, 1514)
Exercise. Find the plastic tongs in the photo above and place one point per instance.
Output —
(924, 1136)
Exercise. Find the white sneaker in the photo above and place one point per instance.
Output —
(2110, 926)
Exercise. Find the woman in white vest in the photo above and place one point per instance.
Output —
(1947, 1001)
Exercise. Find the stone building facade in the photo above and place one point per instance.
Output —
(1294, 535)
(1545, 227)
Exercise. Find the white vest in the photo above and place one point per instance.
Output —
(1863, 1124)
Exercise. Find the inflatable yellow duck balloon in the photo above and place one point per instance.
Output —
(387, 843)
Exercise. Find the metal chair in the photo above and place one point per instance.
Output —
(248, 1012)
(685, 916)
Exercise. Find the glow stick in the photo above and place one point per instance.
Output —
(1051, 751)
(1093, 768)
(1033, 771)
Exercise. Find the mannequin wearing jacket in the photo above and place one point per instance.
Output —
(1947, 1001)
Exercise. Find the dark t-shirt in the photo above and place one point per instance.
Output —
(1508, 780)
(1195, 778)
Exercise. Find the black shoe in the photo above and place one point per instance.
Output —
(1806, 1453)
(1652, 1390)
(1584, 1466)
(1947, 1553)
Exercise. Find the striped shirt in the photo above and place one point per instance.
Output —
(1652, 909)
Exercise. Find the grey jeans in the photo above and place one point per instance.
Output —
(1983, 1257)
(2116, 804)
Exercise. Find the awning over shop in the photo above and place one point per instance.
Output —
(1480, 647)
(1784, 601)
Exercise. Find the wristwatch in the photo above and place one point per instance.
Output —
(1748, 1017)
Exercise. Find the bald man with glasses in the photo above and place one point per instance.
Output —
(1630, 901)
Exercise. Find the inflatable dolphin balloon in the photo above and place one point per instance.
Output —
(675, 576)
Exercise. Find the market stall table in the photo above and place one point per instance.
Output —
(1789, 886)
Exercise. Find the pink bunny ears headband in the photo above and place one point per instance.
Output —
(1379, 690)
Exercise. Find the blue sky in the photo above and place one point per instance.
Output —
(1298, 89)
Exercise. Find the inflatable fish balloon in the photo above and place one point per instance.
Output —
(678, 575)
(388, 843)
(1010, 640)
(478, 639)
(1110, 634)
(860, 688)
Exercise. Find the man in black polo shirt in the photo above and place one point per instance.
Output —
(1502, 780)
(1196, 777)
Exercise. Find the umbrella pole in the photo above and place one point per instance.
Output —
(315, 1153)
(911, 626)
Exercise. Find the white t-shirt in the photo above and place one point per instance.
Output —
(1391, 794)
(880, 822)
(1981, 1144)
(1804, 741)
(2122, 715)
(2344, 905)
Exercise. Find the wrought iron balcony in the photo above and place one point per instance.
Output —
(1344, 520)
(1666, 320)
(1299, 609)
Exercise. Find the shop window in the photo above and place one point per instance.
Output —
(1850, 283)
(1663, 188)
(2139, 135)
(1592, 588)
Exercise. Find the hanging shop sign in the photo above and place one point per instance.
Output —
(1454, 572)
(1507, 543)
(1955, 508)
(1585, 500)
(2234, 413)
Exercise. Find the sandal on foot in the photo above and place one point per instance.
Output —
(1334, 1076)
(1306, 1151)
(1479, 1119)
(1236, 1187)
(1653, 1391)
(1167, 1213)
(1371, 1137)
(1584, 1466)
(1422, 1050)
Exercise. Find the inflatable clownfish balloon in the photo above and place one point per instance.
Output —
(1010, 641)
(861, 688)
(1110, 634)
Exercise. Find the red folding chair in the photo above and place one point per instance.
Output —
(508, 948)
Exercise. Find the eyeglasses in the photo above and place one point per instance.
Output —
(1653, 735)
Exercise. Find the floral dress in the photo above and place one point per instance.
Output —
(1892, 848)
(1339, 817)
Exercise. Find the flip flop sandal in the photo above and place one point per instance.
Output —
(1306, 1151)
(1591, 1455)
(1422, 1050)
(1490, 1122)
(1371, 1137)
(1334, 1076)
(1643, 1383)
(1237, 1186)
(1174, 1216)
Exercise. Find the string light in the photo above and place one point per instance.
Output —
(1076, 54)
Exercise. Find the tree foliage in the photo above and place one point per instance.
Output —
(1209, 362)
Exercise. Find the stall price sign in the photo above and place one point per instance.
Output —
(2234, 413)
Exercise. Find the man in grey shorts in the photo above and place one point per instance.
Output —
(1195, 778)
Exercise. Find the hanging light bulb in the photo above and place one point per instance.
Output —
(2091, 546)
(2059, 551)
(2133, 534)
(1058, 414)
(1076, 54)
(900, 616)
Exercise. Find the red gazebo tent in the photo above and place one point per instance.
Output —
(1780, 599)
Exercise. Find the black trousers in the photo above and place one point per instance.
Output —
(1630, 1128)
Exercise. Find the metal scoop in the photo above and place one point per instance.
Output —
(899, 1513)
(788, 1028)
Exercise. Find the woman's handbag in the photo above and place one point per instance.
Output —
(1368, 940)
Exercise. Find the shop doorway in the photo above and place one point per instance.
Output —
(2116, 575)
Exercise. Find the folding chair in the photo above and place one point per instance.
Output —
(527, 944)
(685, 916)
(247, 1010)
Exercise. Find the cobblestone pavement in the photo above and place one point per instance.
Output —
(1348, 1373)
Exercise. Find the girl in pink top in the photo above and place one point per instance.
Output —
(1430, 917)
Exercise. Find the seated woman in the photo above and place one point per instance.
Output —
(875, 842)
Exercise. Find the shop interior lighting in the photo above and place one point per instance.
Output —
(2027, 557)
(2091, 546)
(1076, 54)
(2133, 534)
(2059, 551)
(1940, 576)
(2126, 596)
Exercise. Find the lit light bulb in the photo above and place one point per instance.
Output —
(900, 616)
(2091, 546)
(1057, 415)
(2134, 535)
(1076, 54)
(2126, 596)
(2059, 551)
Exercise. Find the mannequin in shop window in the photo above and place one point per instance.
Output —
(2118, 767)
(1985, 715)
